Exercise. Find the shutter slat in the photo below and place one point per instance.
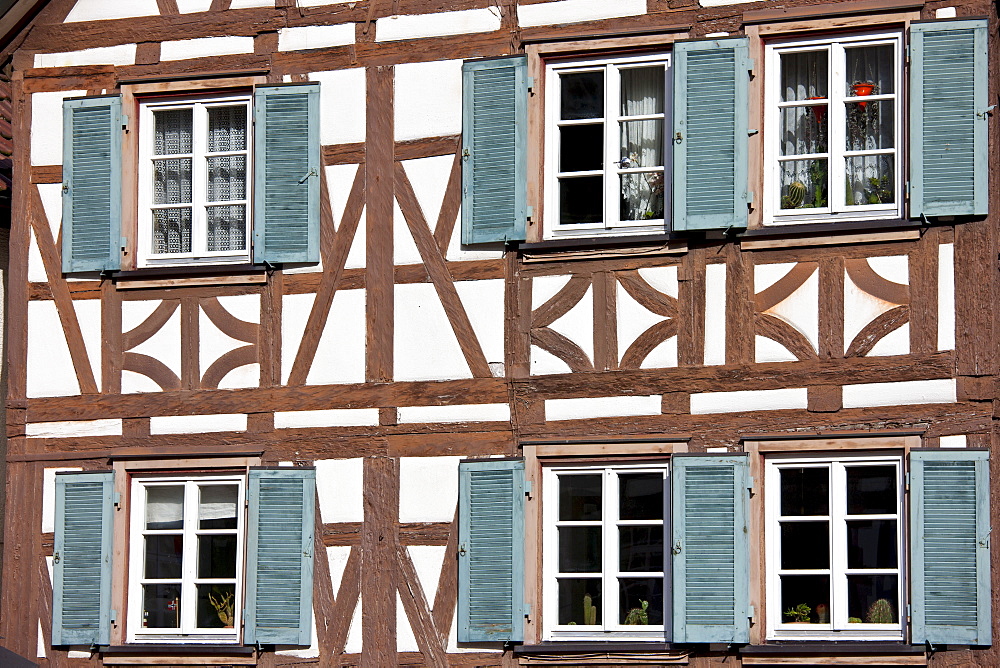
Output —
(494, 169)
(280, 556)
(491, 569)
(948, 81)
(286, 176)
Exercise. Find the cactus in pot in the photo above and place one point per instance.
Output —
(880, 612)
(589, 610)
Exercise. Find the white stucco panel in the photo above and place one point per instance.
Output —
(36, 267)
(357, 257)
(543, 362)
(946, 297)
(896, 342)
(860, 308)
(164, 345)
(333, 417)
(425, 344)
(342, 105)
(429, 178)
(943, 391)
(340, 355)
(339, 485)
(96, 10)
(461, 413)
(544, 288)
(749, 400)
(52, 202)
(205, 47)
(47, 126)
(49, 497)
(294, 316)
(428, 489)
(50, 367)
(428, 99)
(404, 248)
(439, 24)
(427, 561)
(213, 343)
(192, 6)
(633, 320)
(575, 11)
(663, 355)
(715, 314)
(598, 407)
(354, 637)
(663, 279)
(484, 303)
(405, 640)
(315, 37)
(339, 182)
(895, 268)
(954, 441)
(120, 54)
(769, 350)
(250, 4)
(197, 424)
(336, 556)
(577, 324)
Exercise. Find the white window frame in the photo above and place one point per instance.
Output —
(838, 628)
(188, 632)
(199, 181)
(609, 554)
(611, 225)
(836, 130)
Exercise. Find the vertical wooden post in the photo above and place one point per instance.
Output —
(379, 542)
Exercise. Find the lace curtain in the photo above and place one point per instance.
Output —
(642, 90)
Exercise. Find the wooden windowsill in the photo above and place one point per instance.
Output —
(170, 277)
(601, 247)
(825, 234)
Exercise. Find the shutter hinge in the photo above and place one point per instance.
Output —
(907, 481)
(752, 131)
(750, 63)
(986, 112)
(531, 84)
(907, 189)
(125, 122)
(124, 243)
(527, 488)
(907, 612)
(751, 613)
(117, 498)
(907, 56)
(55, 558)
(465, 153)
(527, 610)
(114, 616)
(529, 212)
(461, 550)
(750, 483)
(985, 542)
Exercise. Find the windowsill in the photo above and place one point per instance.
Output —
(566, 647)
(178, 648)
(216, 274)
(589, 248)
(819, 234)
(859, 646)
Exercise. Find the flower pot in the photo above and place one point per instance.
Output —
(863, 89)
(818, 110)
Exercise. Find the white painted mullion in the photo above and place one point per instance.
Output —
(609, 567)
(199, 180)
(837, 129)
(189, 598)
(612, 84)
(838, 551)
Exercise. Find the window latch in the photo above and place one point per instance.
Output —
(986, 112)
(461, 550)
(312, 172)
(677, 547)
(55, 558)
(678, 138)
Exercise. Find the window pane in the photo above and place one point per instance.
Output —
(873, 599)
(871, 490)
(804, 184)
(227, 228)
(640, 496)
(172, 181)
(871, 544)
(217, 506)
(642, 90)
(805, 545)
(581, 200)
(805, 599)
(172, 132)
(161, 606)
(217, 556)
(641, 144)
(803, 130)
(581, 147)
(871, 179)
(870, 66)
(163, 557)
(227, 178)
(227, 128)
(640, 549)
(804, 75)
(642, 196)
(165, 507)
(805, 491)
(582, 95)
(580, 549)
(640, 601)
(579, 497)
(579, 601)
(216, 606)
(870, 125)
(172, 230)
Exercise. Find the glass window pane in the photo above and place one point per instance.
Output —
(870, 70)
(870, 125)
(805, 545)
(161, 606)
(871, 490)
(871, 544)
(172, 230)
(804, 75)
(640, 496)
(641, 196)
(640, 601)
(640, 549)
(582, 95)
(581, 147)
(871, 179)
(163, 557)
(227, 128)
(172, 181)
(803, 130)
(227, 178)
(217, 556)
(165, 507)
(642, 90)
(227, 227)
(641, 144)
(217, 506)
(805, 599)
(172, 133)
(579, 601)
(580, 549)
(805, 491)
(579, 497)
(216, 606)
(581, 200)
(873, 599)
(804, 184)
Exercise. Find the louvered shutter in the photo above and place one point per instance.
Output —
(949, 552)
(494, 164)
(92, 178)
(711, 82)
(491, 551)
(81, 562)
(280, 556)
(948, 121)
(711, 553)
(286, 173)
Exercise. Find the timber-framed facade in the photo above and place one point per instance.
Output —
(497, 333)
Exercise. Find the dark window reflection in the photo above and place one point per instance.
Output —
(579, 601)
(161, 606)
(217, 556)
(641, 496)
(579, 549)
(581, 148)
(873, 599)
(582, 95)
(580, 498)
(805, 491)
(640, 549)
(581, 200)
(871, 490)
(806, 598)
(216, 606)
(164, 555)
(871, 544)
(640, 601)
(805, 545)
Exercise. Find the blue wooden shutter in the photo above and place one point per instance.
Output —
(92, 178)
(280, 556)
(711, 554)
(81, 563)
(491, 551)
(711, 82)
(948, 80)
(949, 552)
(494, 136)
(286, 176)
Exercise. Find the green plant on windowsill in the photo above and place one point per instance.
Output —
(853, 620)
(880, 191)
(880, 612)
(223, 604)
(799, 614)
(589, 611)
(638, 616)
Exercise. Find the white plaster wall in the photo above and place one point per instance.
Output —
(429, 178)
(544, 288)
(213, 343)
(896, 342)
(404, 248)
(47, 126)
(860, 308)
(543, 362)
(748, 400)
(339, 485)
(51, 196)
(336, 556)
(946, 297)
(164, 345)
(800, 309)
(599, 407)
(197, 424)
(484, 304)
(392, 28)
(405, 640)
(204, 47)
(428, 488)
(663, 279)
(49, 496)
(95, 10)
(36, 267)
(357, 257)
(944, 13)
(663, 355)
(88, 315)
(715, 314)
(120, 54)
(427, 561)
(192, 6)
(315, 37)
(428, 99)
(354, 642)
(577, 324)
(248, 4)
(955, 441)
(463, 413)
(895, 268)
(575, 11)
(50, 367)
(901, 393)
(769, 350)
(334, 417)
(340, 355)
(73, 428)
(425, 345)
(342, 105)
(633, 320)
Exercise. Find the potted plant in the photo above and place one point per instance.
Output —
(880, 612)
(799, 614)
(223, 604)
(638, 616)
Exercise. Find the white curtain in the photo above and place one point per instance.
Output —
(642, 143)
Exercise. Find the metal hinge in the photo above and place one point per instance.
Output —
(117, 498)
(114, 616)
(531, 84)
(751, 613)
(986, 112)
(527, 610)
(529, 212)
(907, 483)
(750, 482)
(527, 488)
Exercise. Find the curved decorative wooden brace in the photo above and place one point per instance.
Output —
(151, 368)
(560, 346)
(648, 297)
(878, 329)
(228, 324)
(225, 363)
(863, 276)
(778, 330)
(646, 342)
(561, 302)
(785, 286)
(151, 325)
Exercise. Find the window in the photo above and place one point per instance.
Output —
(603, 555)
(835, 547)
(605, 157)
(194, 173)
(833, 129)
(186, 554)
